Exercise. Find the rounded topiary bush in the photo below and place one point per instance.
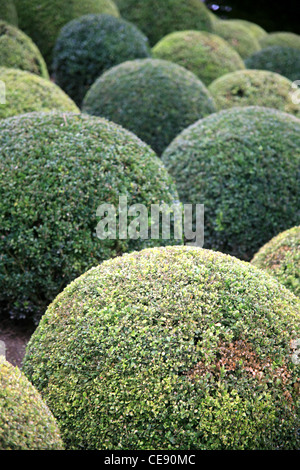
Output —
(238, 36)
(281, 38)
(90, 45)
(18, 51)
(42, 20)
(56, 170)
(8, 12)
(254, 87)
(253, 28)
(280, 257)
(26, 422)
(158, 18)
(279, 59)
(206, 55)
(243, 165)
(170, 348)
(153, 98)
(27, 92)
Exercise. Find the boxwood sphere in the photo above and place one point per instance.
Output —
(42, 20)
(280, 257)
(8, 12)
(206, 55)
(157, 18)
(170, 348)
(280, 59)
(26, 422)
(253, 28)
(281, 38)
(254, 87)
(238, 36)
(17, 50)
(56, 170)
(153, 98)
(27, 92)
(88, 46)
(243, 164)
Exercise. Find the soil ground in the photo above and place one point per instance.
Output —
(15, 337)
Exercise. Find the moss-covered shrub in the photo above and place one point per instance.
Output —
(27, 92)
(238, 36)
(157, 18)
(281, 38)
(86, 47)
(56, 169)
(243, 165)
(280, 257)
(170, 348)
(279, 59)
(8, 12)
(206, 55)
(254, 87)
(253, 28)
(18, 51)
(42, 20)
(153, 98)
(26, 422)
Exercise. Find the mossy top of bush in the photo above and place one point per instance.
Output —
(281, 38)
(157, 18)
(254, 87)
(253, 28)
(27, 92)
(238, 36)
(8, 12)
(26, 422)
(88, 46)
(170, 348)
(18, 51)
(153, 98)
(206, 55)
(42, 20)
(242, 163)
(279, 59)
(280, 257)
(56, 169)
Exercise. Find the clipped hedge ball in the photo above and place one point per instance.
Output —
(280, 257)
(170, 348)
(8, 12)
(254, 87)
(157, 18)
(90, 45)
(243, 164)
(238, 36)
(253, 28)
(153, 98)
(18, 51)
(57, 169)
(26, 92)
(42, 20)
(206, 55)
(26, 423)
(279, 59)
(281, 38)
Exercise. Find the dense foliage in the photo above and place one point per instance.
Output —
(280, 59)
(281, 38)
(238, 36)
(8, 12)
(253, 28)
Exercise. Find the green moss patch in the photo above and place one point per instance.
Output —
(280, 59)
(238, 36)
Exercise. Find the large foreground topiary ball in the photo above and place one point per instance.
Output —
(243, 164)
(56, 170)
(238, 36)
(8, 12)
(170, 348)
(26, 92)
(155, 99)
(26, 423)
(280, 257)
(280, 59)
(88, 46)
(206, 55)
(281, 38)
(43, 19)
(254, 87)
(157, 18)
(18, 51)
(253, 28)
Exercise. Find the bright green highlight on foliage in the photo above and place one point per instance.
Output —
(281, 38)
(279, 59)
(238, 36)
(8, 12)
(253, 28)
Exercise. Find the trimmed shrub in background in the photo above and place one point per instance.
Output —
(90, 45)
(56, 169)
(206, 55)
(253, 28)
(279, 59)
(27, 92)
(254, 87)
(170, 348)
(158, 18)
(238, 36)
(243, 165)
(281, 38)
(8, 12)
(18, 51)
(26, 422)
(280, 257)
(155, 99)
